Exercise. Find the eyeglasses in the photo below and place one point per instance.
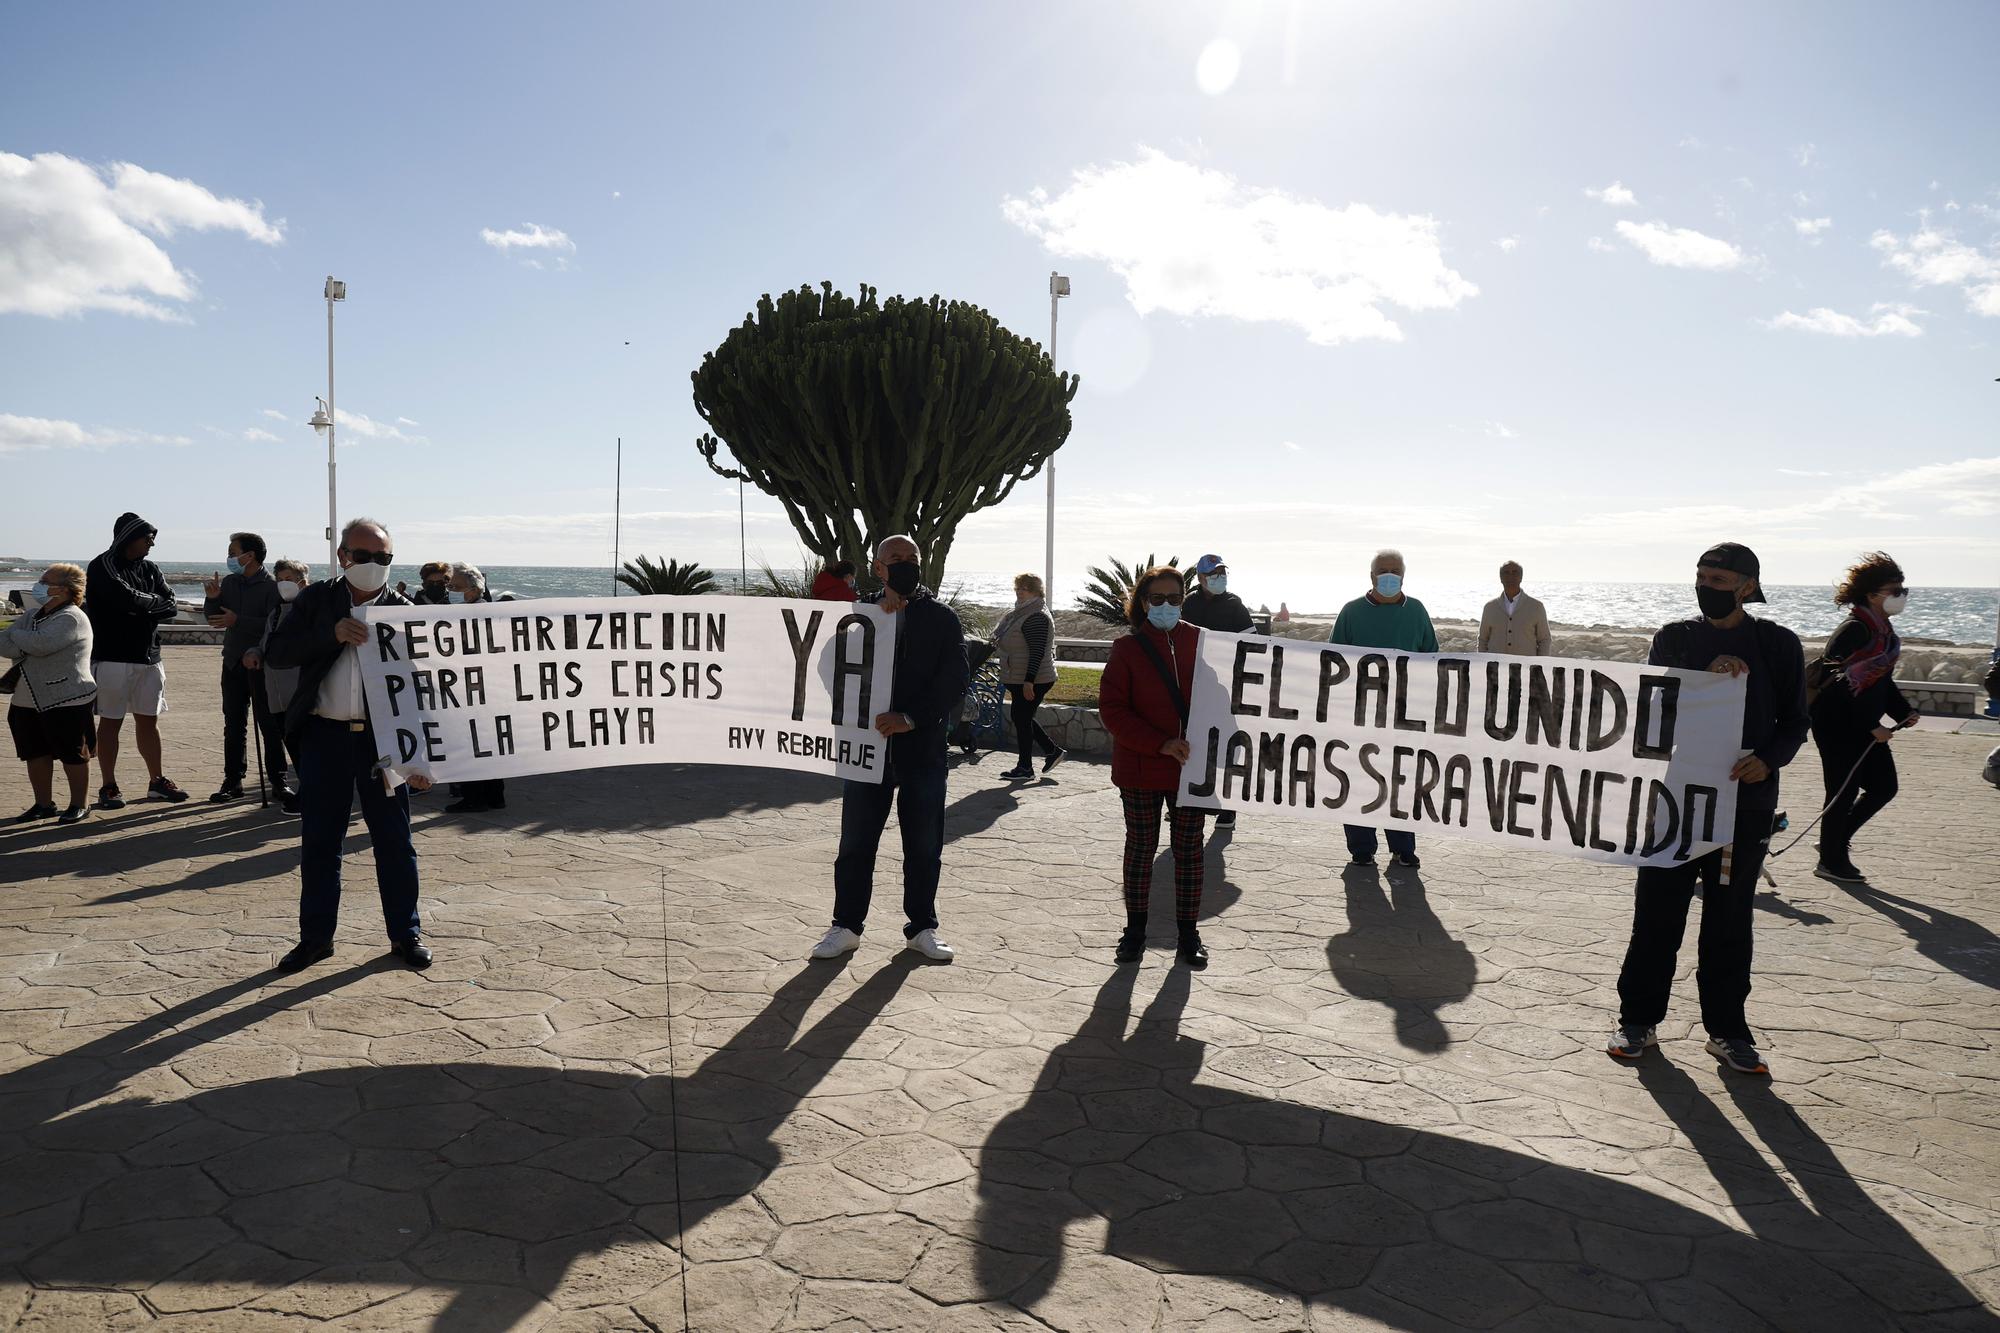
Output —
(369, 557)
(1164, 598)
(1898, 591)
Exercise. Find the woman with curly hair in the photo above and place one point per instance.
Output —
(1848, 713)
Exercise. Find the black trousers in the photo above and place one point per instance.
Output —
(1659, 920)
(1872, 786)
(242, 699)
(1028, 733)
(918, 801)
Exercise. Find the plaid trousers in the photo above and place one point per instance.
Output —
(1142, 843)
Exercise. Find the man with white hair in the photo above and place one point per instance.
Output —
(928, 683)
(1388, 618)
(328, 730)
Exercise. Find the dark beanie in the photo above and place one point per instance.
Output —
(129, 526)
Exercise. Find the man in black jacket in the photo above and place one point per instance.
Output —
(929, 682)
(127, 600)
(240, 604)
(1214, 606)
(1726, 639)
(328, 730)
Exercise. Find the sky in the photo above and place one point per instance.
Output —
(1586, 286)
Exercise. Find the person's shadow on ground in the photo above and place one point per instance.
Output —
(490, 1179)
(1396, 951)
(1966, 947)
(1413, 1228)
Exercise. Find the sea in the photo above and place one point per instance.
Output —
(1968, 616)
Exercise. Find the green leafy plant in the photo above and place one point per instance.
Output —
(1110, 589)
(673, 579)
(771, 581)
(868, 418)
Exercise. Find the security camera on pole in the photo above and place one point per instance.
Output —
(322, 421)
(1058, 288)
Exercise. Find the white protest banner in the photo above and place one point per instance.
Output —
(501, 689)
(1609, 761)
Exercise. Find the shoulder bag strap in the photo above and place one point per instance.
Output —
(1166, 674)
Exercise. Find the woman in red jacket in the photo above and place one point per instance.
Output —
(1143, 702)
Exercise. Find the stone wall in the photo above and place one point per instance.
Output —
(1076, 729)
(1939, 699)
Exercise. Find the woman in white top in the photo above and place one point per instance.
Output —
(50, 716)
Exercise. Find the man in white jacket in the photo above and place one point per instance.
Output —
(1514, 622)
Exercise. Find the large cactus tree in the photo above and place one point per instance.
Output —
(869, 418)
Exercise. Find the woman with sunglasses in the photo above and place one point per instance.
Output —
(1847, 713)
(1143, 701)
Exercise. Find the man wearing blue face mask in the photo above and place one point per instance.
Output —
(1385, 618)
(240, 604)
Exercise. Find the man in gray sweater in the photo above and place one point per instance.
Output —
(240, 604)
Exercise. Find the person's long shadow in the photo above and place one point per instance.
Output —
(1409, 1227)
(1966, 947)
(600, 800)
(491, 1179)
(1396, 951)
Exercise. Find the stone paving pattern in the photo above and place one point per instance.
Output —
(623, 1100)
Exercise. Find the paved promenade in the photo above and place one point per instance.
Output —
(623, 1100)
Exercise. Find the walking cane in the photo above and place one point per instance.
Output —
(257, 735)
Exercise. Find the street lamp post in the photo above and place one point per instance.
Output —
(1058, 288)
(323, 421)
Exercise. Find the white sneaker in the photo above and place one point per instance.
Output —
(927, 943)
(837, 941)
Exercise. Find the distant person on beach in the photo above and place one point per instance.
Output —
(128, 600)
(1726, 639)
(240, 604)
(835, 583)
(1213, 606)
(1143, 700)
(49, 714)
(327, 726)
(1026, 640)
(1847, 713)
(468, 588)
(1385, 617)
(924, 694)
(1514, 622)
(435, 577)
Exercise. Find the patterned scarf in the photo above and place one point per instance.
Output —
(1878, 658)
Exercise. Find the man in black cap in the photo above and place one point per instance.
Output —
(127, 599)
(1727, 639)
(1213, 606)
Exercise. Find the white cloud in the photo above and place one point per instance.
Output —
(1499, 430)
(1937, 258)
(1690, 141)
(370, 429)
(1193, 241)
(1598, 245)
(534, 237)
(1810, 228)
(1883, 321)
(404, 421)
(617, 194)
(1508, 244)
(1806, 154)
(275, 414)
(1294, 446)
(259, 433)
(1680, 247)
(1802, 472)
(75, 238)
(23, 434)
(1614, 194)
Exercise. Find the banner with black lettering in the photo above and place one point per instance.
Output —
(1609, 761)
(502, 689)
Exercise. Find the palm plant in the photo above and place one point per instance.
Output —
(774, 582)
(649, 578)
(1110, 589)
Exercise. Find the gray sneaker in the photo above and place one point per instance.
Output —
(1738, 1054)
(1629, 1043)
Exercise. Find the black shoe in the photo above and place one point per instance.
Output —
(164, 788)
(1840, 870)
(303, 956)
(414, 952)
(35, 812)
(288, 801)
(109, 799)
(228, 791)
(1018, 773)
(1050, 761)
(1132, 944)
(1192, 951)
(1227, 819)
(467, 806)
(1407, 860)
(1361, 859)
(76, 814)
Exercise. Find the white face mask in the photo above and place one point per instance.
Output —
(1895, 606)
(287, 590)
(368, 578)
(1218, 584)
(455, 597)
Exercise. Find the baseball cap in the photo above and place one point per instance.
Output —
(1208, 564)
(1736, 558)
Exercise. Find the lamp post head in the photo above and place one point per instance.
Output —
(1058, 285)
(335, 289)
(319, 420)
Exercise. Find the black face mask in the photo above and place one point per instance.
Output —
(901, 577)
(1716, 603)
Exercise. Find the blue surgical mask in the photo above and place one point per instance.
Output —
(1164, 616)
(40, 592)
(1218, 584)
(455, 597)
(1388, 585)
(235, 565)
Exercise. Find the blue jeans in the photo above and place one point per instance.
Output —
(864, 811)
(335, 764)
(1361, 841)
